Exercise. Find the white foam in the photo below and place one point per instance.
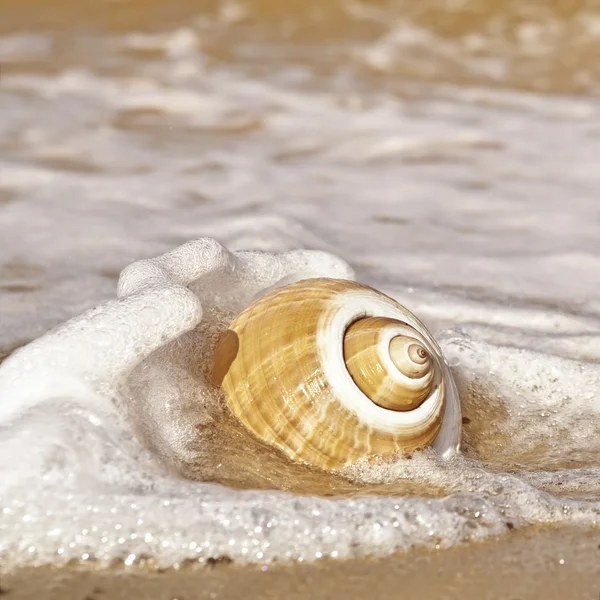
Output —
(76, 482)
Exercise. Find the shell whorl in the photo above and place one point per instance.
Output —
(331, 371)
(395, 373)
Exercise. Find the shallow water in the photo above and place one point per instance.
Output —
(447, 151)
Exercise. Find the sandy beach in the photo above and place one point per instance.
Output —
(549, 563)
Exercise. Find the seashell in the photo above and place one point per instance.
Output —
(330, 371)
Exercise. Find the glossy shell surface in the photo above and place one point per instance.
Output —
(283, 365)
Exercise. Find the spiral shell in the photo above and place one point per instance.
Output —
(330, 371)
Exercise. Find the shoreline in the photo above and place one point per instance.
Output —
(547, 562)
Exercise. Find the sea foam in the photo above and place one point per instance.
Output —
(98, 423)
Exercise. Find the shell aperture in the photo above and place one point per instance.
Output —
(330, 371)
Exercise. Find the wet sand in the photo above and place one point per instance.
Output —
(550, 563)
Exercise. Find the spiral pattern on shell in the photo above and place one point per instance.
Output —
(330, 371)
